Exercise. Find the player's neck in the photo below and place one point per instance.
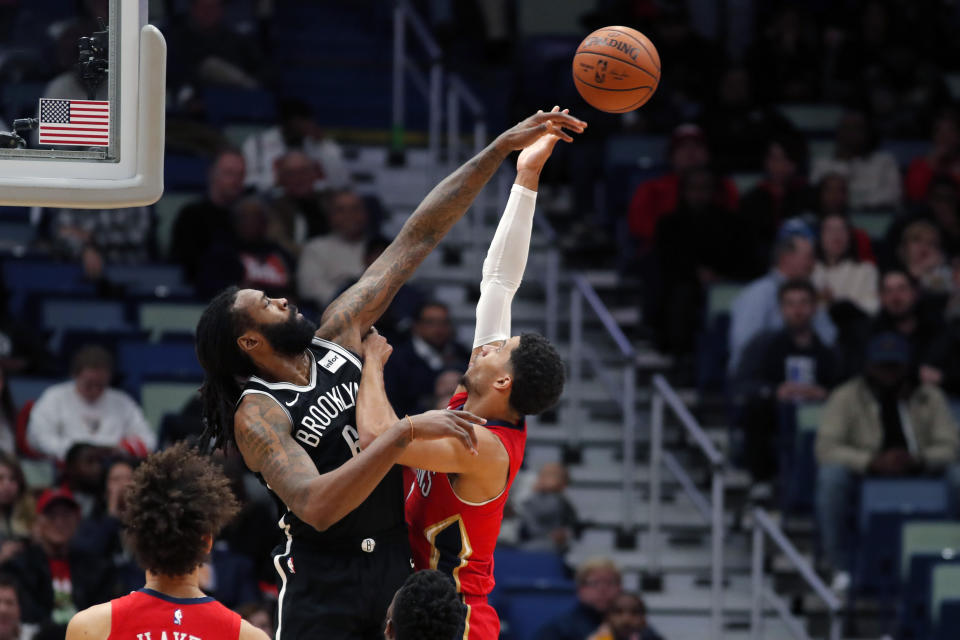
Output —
(185, 586)
(281, 368)
(491, 408)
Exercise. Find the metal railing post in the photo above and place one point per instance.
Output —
(629, 445)
(399, 66)
(835, 625)
(551, 284)
(576, 363)
(716, 577)
(656, 452)
(756, 581)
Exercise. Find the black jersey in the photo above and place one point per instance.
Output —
(323, 415)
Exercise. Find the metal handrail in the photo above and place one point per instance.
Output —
(603, 314)
(664, 396)
(763, 524)
(404, 15)
(687, 420)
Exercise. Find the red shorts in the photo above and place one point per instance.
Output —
(482, 621)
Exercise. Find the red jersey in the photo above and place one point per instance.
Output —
(458, 537)
(150, 615)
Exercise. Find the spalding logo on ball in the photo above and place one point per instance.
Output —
(616, 69)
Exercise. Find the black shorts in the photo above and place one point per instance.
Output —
(339, 592)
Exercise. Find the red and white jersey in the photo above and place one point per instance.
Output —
(150, 615)
(455, 536)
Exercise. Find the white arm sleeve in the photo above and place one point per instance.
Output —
(503, 267)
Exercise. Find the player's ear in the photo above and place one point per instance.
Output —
(208, 543)
(249, 341)
(503, 383)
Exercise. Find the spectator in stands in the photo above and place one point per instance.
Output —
(205, 51)
(199, 224)
(788, 365)
(941, 208)
(698, 244)
(782, 194)
(921, 255)
(658, 197)
(86, 409)
(840, 277)
(756, 308)
(22, 346)
(444, 388)
(739, 126)
(903, 311)
(298, 213)
(873, 175)
(17, 508)
(11, 626)
(942, 159)
(432, 348)
(548, 520)
(833, 198)
(626, 620)
(598, 585)
(122, 236)
(885, 422)
(246, 257)
(787, 57)
(847, 287)
(83, 475)
(327, 262)
(298, 130)
(54, 580)
(259, 615)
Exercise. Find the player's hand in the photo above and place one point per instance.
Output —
(375, 348)
(528, 131)
(533, 158)
(447, 423)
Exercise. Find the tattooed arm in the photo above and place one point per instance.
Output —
(264, 437)
(347, 318)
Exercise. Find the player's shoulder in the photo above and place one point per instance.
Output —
(92, 623)
(250, 632)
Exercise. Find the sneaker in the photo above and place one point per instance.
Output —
(841, 582)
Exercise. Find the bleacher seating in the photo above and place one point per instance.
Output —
(159, 398)
(945, 588)
(169, 318)
(26, 388)
(915, 594)
(141, 361)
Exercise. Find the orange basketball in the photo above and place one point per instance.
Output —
(616, 69)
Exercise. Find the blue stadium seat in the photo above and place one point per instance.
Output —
(139, 361)
(26, 388)
(60, 314)
(516, 567)
(910, 496)
(524, 611)
(23, 277)
(145, 275)
(229, 104)
(915, 601)
(185, 173)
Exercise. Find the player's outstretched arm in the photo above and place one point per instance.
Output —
(265, 438)
(375, 415)
(347, 319)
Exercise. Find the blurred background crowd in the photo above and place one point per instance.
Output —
(783, 216)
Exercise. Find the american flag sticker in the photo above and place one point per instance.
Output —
(80, 123)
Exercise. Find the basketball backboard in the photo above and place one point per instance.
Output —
(92, 136)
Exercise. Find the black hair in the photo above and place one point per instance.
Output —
(428, 304)
(914, 283)
(538, 375)
(74, 452)
(796, 284)
(290, 108)
(91, 356)
(851, 252)
(176, 501)
(222, 361)
(427, 607)
(7, 581)
(794, 147)
(6, 399)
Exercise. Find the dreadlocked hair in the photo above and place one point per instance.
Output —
(223, 362)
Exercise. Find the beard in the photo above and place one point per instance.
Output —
(290, 337)
(466, 382)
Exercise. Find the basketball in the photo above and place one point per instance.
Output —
(616, 69)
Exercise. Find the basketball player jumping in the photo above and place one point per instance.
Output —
(285, 392)
(455, 500)
(175, 508)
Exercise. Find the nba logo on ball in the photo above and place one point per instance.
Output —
(616, 69)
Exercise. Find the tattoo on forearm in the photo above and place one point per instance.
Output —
(366, 301)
